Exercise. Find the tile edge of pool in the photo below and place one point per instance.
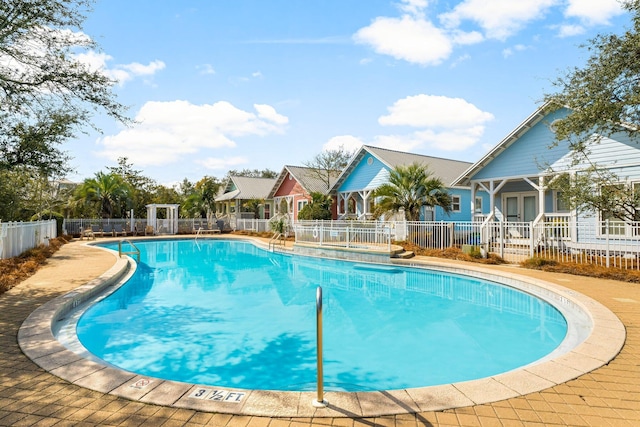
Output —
(603, 342)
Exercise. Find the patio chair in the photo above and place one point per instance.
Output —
(96, 230)
(148, 230)
(88, 233)
(107, 229)
(118, 230)
(208, 228)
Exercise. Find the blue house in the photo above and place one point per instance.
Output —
(517, 175)
(369, 168)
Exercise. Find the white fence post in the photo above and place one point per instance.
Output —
(606, 222)
(532, 239)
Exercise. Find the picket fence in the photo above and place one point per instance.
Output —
(17, 237)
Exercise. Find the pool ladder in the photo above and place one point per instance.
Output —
(135, 250)
(276, 239)
(319, 401)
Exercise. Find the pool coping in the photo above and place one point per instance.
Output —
(38, 342)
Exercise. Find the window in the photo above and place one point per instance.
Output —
(267, 210)
(561, 205)
(302, 204)
(616, 226)
(455, 203)
(478, 205)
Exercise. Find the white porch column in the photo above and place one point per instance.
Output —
(364, 195)
(541, 201)
(492, 198)
(473, 200)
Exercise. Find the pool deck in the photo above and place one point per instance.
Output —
(29, 395)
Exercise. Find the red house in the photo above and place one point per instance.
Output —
(293, 188)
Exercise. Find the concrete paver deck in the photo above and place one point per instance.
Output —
(609, 395)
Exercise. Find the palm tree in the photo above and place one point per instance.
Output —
(409, 189)
(253, 205)
(108, 193)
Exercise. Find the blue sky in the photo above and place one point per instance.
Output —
(231, 84)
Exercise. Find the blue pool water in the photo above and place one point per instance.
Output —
(227, 313)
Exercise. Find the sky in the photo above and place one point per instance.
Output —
(215, 85)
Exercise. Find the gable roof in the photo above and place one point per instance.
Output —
(306, 177)
(245, 188)
(465, 178)
(445, 169)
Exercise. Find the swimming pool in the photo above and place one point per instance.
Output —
(229, 314)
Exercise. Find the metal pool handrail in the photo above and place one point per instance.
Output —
(135, 252)
(319, 401)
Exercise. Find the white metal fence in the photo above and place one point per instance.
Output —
(257, 225)
(347, 236)
(17, 237)
(558, 237)
(606, 243)
(75, 226)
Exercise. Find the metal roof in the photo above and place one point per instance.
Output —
(245, 188)
(445, 169)
(306, 177)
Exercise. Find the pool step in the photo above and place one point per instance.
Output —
(403, 255)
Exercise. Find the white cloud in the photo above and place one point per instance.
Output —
(413, 7)
(138, 69)
(206, 69)
(347, 142)
(98, 61)
(594, 12)
(451, 124)
(168, 131)
(466, 38)
(460, 60)
(451, 139)
(442, 123)
(434, 111)
(570, 30)
(216, 163)
(511, 50)
(498, 18)
(409, 38)
(267, 112)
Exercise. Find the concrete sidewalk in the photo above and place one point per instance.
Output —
(30, 396)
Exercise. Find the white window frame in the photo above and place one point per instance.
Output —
(301, 204)
(454, 203)
(629, 230)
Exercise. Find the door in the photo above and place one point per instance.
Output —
(520, 207)
(529, 208)
(512, 211)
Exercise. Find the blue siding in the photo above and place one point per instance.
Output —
(528, 154)
(616, 152)
(366, 176)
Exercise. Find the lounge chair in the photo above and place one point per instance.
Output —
(118, 230)
(107, 229)
(207, 228)
(88, 233)
(96, 230)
